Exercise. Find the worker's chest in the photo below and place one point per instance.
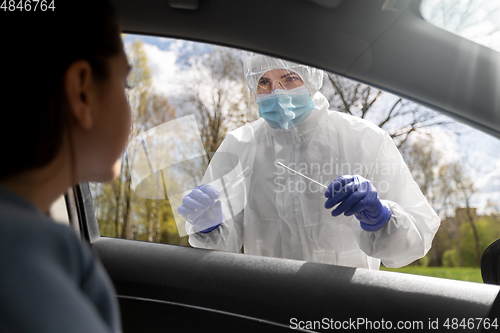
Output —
(276, 193)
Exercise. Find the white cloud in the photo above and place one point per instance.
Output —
(442, 141)
(490, 182)
(163, 68)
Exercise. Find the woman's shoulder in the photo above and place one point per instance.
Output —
(25, 232)
(43, 259)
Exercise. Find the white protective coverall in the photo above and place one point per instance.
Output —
(280, 214)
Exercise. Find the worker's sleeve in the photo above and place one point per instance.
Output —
(409, 233)
(222, 172)
(226, 237)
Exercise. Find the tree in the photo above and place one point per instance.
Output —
(493, 207)
(120, 213)
(449, 190)
(422, 159)
(398, 117)
(488, 230)
(215, 92)
(462, 195)
(452, 192)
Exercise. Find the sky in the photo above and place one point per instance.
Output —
(479, 152)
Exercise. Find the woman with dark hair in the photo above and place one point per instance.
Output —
(66, 120)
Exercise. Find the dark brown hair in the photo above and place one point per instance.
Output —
(37, 50)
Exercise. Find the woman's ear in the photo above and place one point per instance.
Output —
(80, 93)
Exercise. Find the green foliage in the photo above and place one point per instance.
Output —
(463, 235)
(488, 231)
(450, 258)
(461, 252)
(443, 241)
(424, 262)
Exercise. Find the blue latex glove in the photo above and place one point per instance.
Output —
(359, 197)
(200, 208)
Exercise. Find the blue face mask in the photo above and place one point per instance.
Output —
(285, 109)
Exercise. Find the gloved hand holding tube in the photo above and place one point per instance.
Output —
(357, 196)
(202, 208)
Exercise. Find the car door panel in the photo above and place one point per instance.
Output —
(276, 290)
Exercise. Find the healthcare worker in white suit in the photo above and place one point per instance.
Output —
(380, 214)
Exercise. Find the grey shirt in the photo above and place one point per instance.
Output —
(49, 280)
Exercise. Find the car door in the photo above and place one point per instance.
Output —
(162, 286)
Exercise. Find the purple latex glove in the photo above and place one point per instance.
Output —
(357, 196)
(201, 209)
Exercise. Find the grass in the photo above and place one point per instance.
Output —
(454, 273)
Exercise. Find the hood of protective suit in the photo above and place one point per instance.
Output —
(255, 65)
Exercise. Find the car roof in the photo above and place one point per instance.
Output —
(383, 43)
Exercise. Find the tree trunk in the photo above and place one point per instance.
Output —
(126, 232)
(471, 219)
(117, 210)
(151, 221)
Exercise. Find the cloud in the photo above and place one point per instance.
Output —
(442, 141)
(163, 68)
(490, 183)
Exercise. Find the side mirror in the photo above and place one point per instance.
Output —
(490, 263)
